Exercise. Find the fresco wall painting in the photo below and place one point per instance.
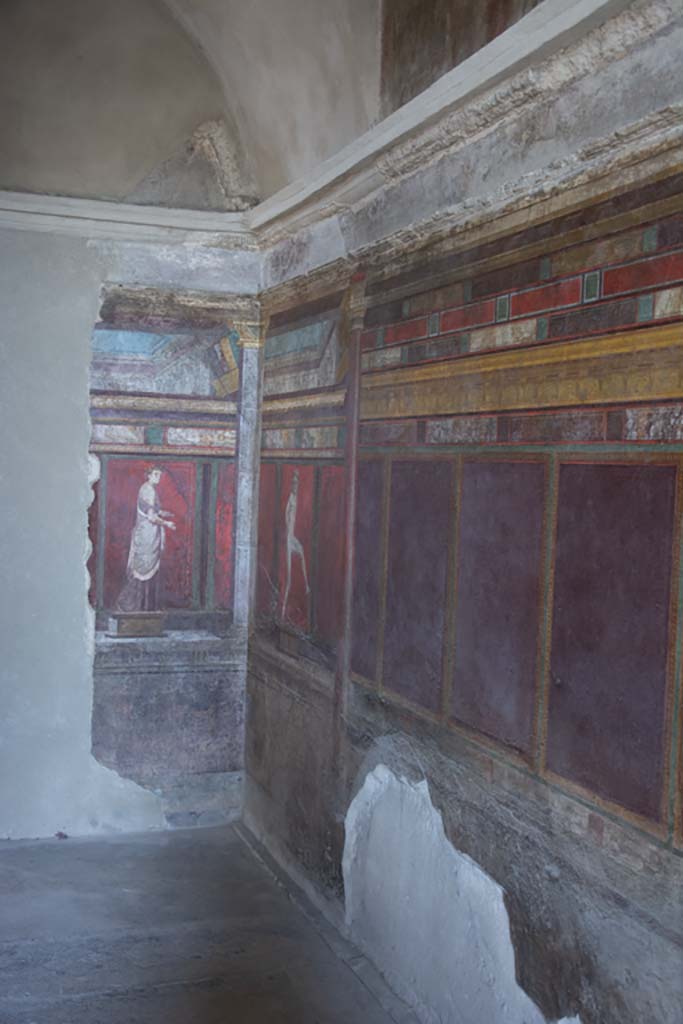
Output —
(187, 361)
(149, 535)
(539, 642)
(300, 564)
(301, 551)
(187, 565)
(517, 571)
(162, 521)
(544, 371)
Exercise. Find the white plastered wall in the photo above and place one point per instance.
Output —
(49, 781)
(429, 917)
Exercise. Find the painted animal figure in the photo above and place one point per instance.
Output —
(294, 545)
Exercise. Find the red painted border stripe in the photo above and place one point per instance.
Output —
(643, 274)
(406, 331)
(550, 296)
(468, 316)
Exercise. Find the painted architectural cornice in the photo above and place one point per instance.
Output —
(163, 403)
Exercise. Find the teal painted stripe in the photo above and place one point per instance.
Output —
(211, 548)
(101, 534)
(197, 538)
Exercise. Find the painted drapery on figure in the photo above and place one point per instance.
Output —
(140, 592)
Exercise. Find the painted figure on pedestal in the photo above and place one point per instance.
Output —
(140, 592)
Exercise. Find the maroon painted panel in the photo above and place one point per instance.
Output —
(416, 582)
(498, 581)
(295, 536)
(225, 505)
(329, 583)
(266, 579)
(176, 495)
(609, 639)
(367, 568)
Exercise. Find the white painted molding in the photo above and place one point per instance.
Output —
(96, 218)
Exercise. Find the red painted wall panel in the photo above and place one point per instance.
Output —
(176, 491)
(420, 522)
(406, 332)
(367, 584)
(266, 579)
(468, 316)
(224, 566)
(550, 296)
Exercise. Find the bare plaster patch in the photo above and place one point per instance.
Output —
(433, 922)
(49, 780)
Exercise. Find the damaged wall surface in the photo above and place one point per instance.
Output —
(513, 625)
(445, 945)
(468, 586)
(50, 780)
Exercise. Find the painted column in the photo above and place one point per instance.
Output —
(251, 338)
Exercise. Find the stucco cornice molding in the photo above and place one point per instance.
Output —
(331, 277)
(536, 84)
(513, 70)
(647, 150)
(516, 74)
(98, 219)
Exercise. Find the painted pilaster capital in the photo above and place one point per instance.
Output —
(355, 301)
(250, 333)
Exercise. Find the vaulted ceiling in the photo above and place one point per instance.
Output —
(181, 102)
(212, 104)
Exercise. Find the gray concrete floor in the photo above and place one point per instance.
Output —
(178, 927)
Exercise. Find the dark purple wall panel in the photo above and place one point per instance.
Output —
(416, 581)
(609, 639)
(498, 580)
(367, 568)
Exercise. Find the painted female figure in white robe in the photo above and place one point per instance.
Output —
(140, 592)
